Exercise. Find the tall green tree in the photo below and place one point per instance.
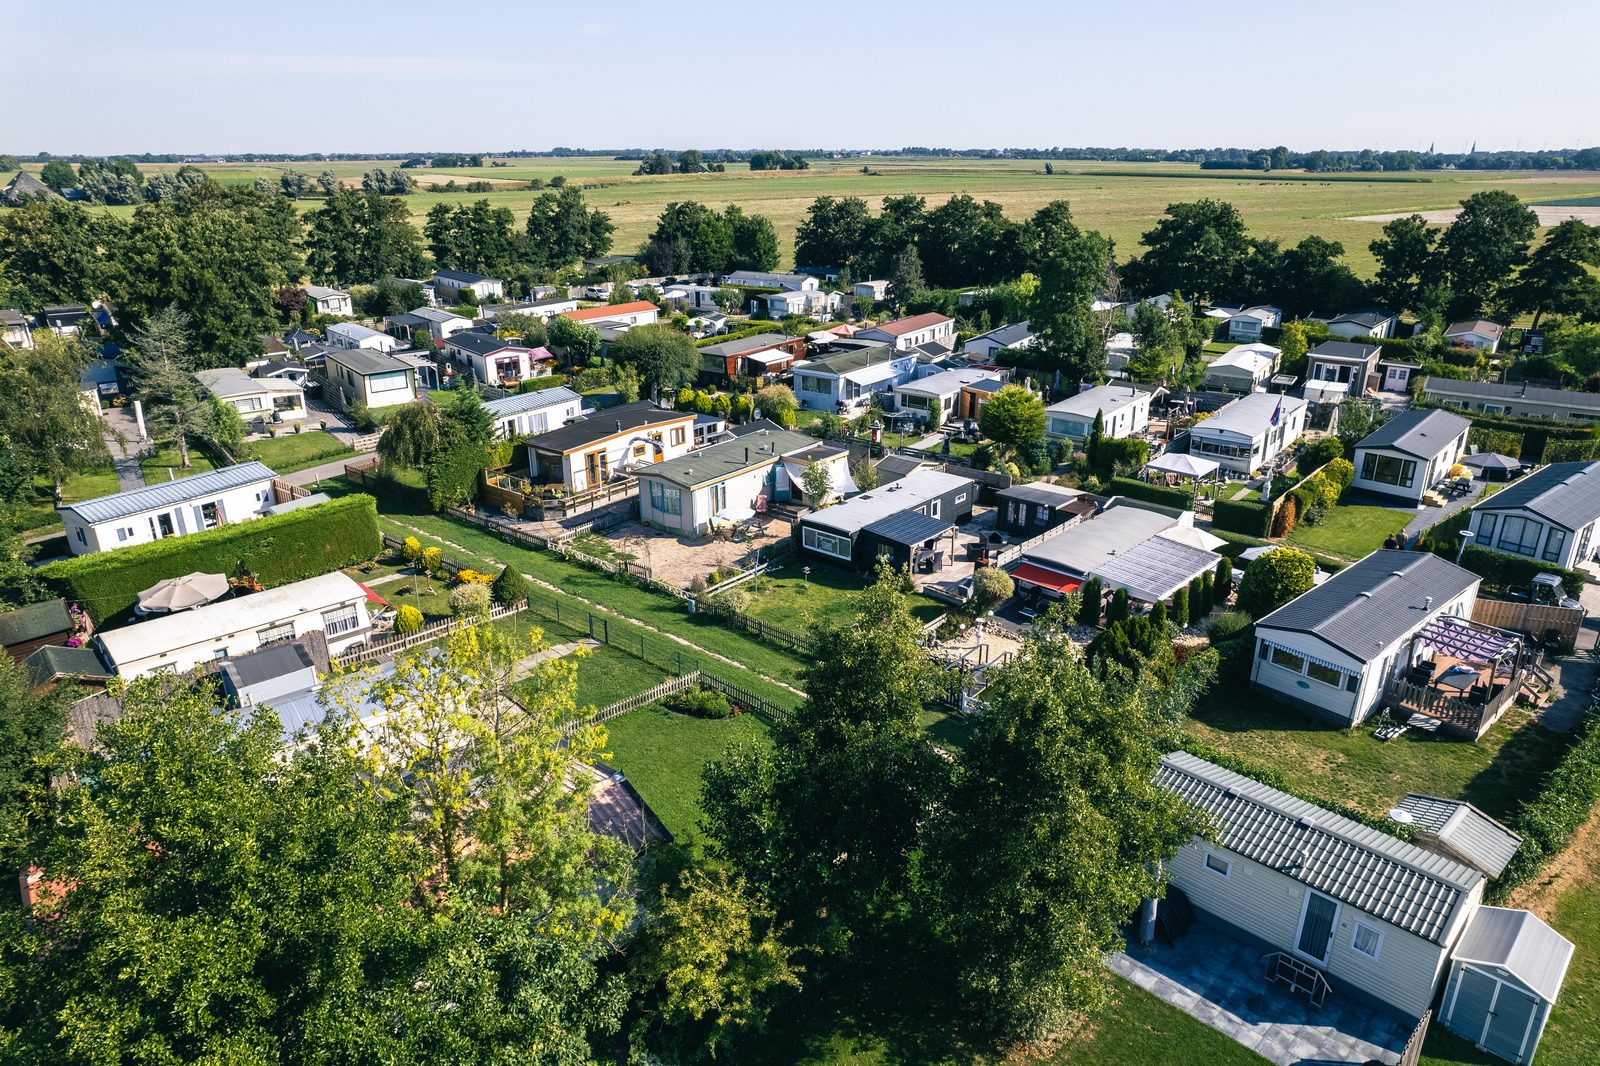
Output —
(362, 237)
(1048, 231)
(1559, 278)
(664, 357)
(1031, 886)
(561, 230)
(1200, 249)
(1483, 249)
(964, 242)
(833, 232)
(753, 241)
(59, 175)
(1406, 262)
(1309, 277)
(33, 722)
(689, 236)
(1062, 317)
(1274, 579)
(1013, 418)
(905, 279)
(162, 362)
(474, 237)
(45, 429)
(57, 252)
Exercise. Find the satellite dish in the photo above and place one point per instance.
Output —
(1401, 815)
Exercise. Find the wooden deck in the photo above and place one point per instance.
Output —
(1459, 715)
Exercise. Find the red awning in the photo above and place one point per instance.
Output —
(373, 596)
(1046, 578)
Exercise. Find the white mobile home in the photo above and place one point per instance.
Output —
(372, 378)
(1549, 515)
(609, 444)
(1333, 650)
(847, 380)
(1012, 335)
(905, 334)
(326, 301)
(1369, 323)
(494, 361)
(169, 508)
(1250, 432)
(1477, 333)
(1124, 412)
(1375, 916)
(450, 284)
(531, 413)
(1244, 368)
(351, 335)
(732, 481)
(1493, 398)
(1410, 454)
(272, 399)
(941, 391)
(331, 603)
(1247, 325)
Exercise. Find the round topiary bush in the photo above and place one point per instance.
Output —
(408, 620)
(510, 587)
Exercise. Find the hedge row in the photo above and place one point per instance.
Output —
(1513, 571)
(276, 550)
(1249, 517)
(1143, 490)
(1565, 798)
(764, 325)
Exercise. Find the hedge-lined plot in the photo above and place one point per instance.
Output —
(277, 549)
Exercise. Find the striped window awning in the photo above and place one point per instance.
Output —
(1313, 659)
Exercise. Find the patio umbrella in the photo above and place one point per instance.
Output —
(1493, 463)
(182, 593)
(1182, 464)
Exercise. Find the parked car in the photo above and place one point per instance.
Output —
(598, 292)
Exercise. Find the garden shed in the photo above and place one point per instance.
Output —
(1504, 977)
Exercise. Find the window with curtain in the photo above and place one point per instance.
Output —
(1553, 544)
(1316, 926)
(1520, 536)
(1288, 660)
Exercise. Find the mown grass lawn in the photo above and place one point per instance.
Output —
(157, 464)
(38, 515)
(288, 452)
(793, 601)
(1350, 531)
(663, 754)
(608, 674)
(1349, 766)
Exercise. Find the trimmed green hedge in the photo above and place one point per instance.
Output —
(1547, 820)
(1512, 571)
(1143, 490)
(277, 549)
(1249, 517)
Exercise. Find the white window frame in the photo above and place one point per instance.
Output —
(1227, 864)
(345, 619)
(812, 538)
(1300, 926)
(1377, 946)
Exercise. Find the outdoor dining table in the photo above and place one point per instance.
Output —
(1458, 677)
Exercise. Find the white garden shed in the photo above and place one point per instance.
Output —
(1504, 977)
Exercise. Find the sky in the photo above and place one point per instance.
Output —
(108, 76)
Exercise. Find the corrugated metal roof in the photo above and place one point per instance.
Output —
(1101, 398)
(1156, 568)
(1445, 388)
(169, 493)
(1518, 941)
(518, 403)
(1365, 608)
(1250, 415)
(1567, 494)
(909, 527)
(1462, 832)
(1423, 432)
(1083, 547)
(1396, 882)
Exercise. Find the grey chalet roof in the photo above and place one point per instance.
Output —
(1349, 350)
(267, 664)
(1367, 318)
(1039, 492)
(1084, 547)
(1567, 494)
(1007, 335)
(721, 461)
(482, 344)
(1458, 830)
(1422, 432)
(755, 425)
(1474, 325)
(742, 345)
(1156, 568)
(48, 663)
(36, 620)
(1365, 608)
(25, 187)
(892, 467)
(1518, 941)
(909, 527)
(1396, 882)
(1493, 390)
(322, 292)
(12, 317)
(1250, 415)
(169, 493)
(365, 361)
(461, 277)
(1106, 398)
(860, 358)
(435, 314)
(874, 505)
(519, 402)
(604, 424)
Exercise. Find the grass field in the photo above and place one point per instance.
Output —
(156, 466)
(289, 452)
(609, 674)
(663, 753)
(39, 515)
(1349, 766)
(789, 599)
(1350, 531)
(1121, 200)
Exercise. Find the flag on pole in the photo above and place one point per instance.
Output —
(1276, 411)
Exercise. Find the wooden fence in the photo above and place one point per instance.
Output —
(1460, 716)
(739, 697)
(559, 544)
(284, 491)
(1535, 619)
(764, 630)
(388, 647)
(1419, 1035)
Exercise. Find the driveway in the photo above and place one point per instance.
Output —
(124, 443)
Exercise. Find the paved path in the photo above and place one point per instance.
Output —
(122, 438)
(1431, 516)
(526, 665)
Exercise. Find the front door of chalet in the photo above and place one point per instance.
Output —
(1316, 927)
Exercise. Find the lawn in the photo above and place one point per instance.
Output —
(592, 543)
(789, 599)
(1350, 531)
(663, 753)
(609, 674)
(289, 452)
(39, 515)
(1348, 766)
(165, 458)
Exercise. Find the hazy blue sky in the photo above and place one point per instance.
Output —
(354, 75)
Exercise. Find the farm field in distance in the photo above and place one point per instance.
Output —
(1119, 199)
